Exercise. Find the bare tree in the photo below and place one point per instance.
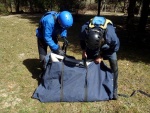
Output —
(17, 5)
(144, 15)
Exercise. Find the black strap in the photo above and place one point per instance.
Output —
(140, 91)
(53, 14)
(61, 85)
(65, 45)
(134, 92)
(54, 17)
(86, 84)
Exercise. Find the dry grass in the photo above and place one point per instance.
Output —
(19, 72)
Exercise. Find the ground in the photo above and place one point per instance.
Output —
(19, 73)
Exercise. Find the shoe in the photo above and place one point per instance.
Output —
(115, 95)
(115, 98)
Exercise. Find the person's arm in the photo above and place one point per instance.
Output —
(84, 55)
(82, 36)
(48, 25)
(112, 39)
(63, 33)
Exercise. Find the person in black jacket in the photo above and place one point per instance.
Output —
(98, 40)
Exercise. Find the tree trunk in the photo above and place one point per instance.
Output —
(144, 15)
(10, 6)
(31, 6)
(125, 5)
(17, 5)
(99, 7)
(131, 7)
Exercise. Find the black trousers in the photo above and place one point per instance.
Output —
(42, 50)
(42, 47)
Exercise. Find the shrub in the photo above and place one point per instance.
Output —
(3, 10)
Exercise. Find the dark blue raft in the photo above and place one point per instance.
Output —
(67, 83)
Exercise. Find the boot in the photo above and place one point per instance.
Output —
(114, 67)
(115, 91)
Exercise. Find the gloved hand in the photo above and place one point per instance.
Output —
(59, 52)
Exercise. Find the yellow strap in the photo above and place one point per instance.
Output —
(91, 25)
(104, 26)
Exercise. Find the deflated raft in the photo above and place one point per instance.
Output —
(64, 82)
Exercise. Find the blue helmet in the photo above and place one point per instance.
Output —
(65, 19)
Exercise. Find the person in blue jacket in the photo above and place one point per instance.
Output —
(98, 40)
(51, 25)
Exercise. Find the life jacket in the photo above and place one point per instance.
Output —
(99, 22)
(39, 30)
(47, 13)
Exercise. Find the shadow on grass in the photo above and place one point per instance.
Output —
(33, 67)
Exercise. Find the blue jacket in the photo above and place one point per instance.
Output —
(112, 43)
(49, 29)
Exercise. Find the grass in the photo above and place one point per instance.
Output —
(19, 70)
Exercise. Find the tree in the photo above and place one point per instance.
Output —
(17, 5)
(144, 15)
(31, 5)
(99, 7)
(130, 10)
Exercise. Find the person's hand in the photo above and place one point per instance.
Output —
(84, 55)
(59, 52)
(98, 60)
